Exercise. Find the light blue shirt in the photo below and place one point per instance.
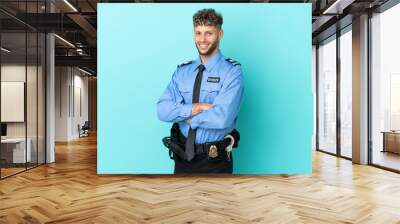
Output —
(221, 86)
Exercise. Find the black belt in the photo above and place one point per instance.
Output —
(212, 149)
(176, 145)
(205, 147)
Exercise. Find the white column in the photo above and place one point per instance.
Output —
(50, 92)
(360, 90)
(50, 110)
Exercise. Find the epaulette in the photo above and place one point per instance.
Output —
(233, 62)
(186, 63)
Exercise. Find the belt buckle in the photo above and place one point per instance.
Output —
(213, 151)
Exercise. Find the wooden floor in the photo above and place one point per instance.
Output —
(5, 172)
(70, 191)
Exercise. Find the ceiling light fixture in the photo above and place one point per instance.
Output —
(70, 5)
(5, 50)
(84, 71)
(64, 40)
(337, 7)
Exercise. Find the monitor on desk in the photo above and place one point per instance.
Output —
(3, 130)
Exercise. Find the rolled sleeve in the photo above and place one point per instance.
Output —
(195, 122)
(186, 110)
(170, 106)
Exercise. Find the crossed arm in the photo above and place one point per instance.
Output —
(219, 115)
(198, 108)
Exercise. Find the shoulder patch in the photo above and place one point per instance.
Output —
(233, 62)
(186, 63)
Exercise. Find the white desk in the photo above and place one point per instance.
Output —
(19, 149)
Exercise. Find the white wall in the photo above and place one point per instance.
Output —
(80, 110)
(15, 72)
(71, 94)
(62, 81)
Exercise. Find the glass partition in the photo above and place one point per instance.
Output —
(327, 96)
(14, 151)
(41, 91)
(32, 95)
(346, 93)
(22, 77)
(385, 89)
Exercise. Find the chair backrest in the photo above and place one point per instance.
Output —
(86, 125)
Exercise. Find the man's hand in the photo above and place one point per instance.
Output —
(199, 107)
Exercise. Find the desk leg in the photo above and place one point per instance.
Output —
(384, 143)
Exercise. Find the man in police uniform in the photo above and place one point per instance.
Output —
(204, 98)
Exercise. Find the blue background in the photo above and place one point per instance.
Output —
(139, 47)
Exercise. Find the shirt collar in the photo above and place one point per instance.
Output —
(210, 63)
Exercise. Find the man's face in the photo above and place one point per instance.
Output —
(207, 39)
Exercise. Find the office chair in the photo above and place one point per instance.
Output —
(84, 130)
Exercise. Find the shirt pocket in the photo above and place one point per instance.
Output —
(209, 91)
(186, 93)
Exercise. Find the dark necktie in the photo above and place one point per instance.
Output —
(190, 142)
